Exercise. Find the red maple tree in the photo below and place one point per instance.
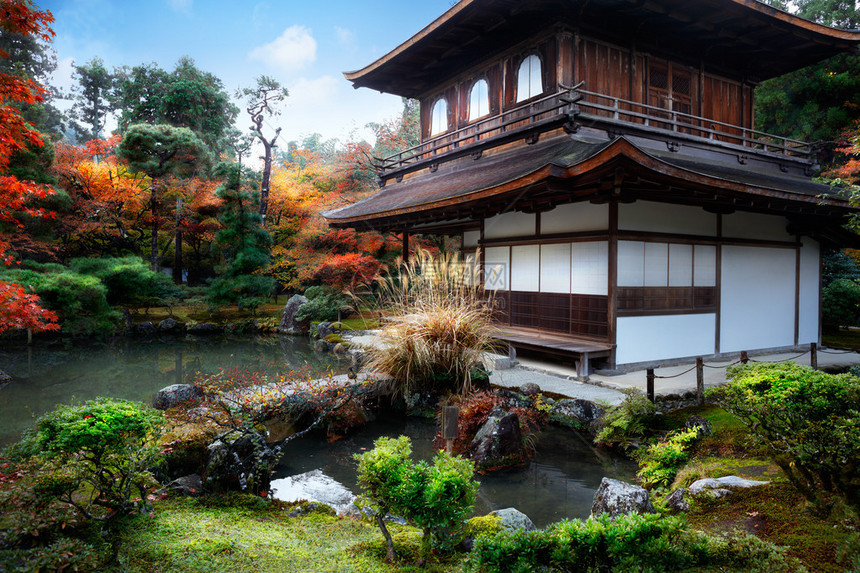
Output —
(17, 308)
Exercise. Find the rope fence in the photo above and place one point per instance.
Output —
(700, 365)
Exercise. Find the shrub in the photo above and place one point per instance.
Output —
(435, 498)
(129, 280)
(323, 304)
(630, 542)
(624, 424)
(809, 420)
(841, 303)
(440, 329)
(660, 462)
(96, 457)
(80, 300)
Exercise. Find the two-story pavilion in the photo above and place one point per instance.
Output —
(602, 155)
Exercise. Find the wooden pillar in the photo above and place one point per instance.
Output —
(405, 247)
(700, 381)
(813, 355)
(649, 384)
(744, 357)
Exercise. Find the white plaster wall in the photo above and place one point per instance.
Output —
(666, 218)
(589, 267)
(471, 238)
(649, 338)
(575, 217)
(757, 298)
(742, 225)
(525, 268)
(555, 268)
(497, 264)
(809, 292)
(509, 225)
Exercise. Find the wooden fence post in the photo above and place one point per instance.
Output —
(450, 425)
(813, 355)
(700, 381)
(744, 357)
(649, 383)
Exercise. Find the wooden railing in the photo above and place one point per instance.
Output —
(600, 105)
(585, 106)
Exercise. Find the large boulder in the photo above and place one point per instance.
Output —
(188, 486)
(676, 503)
(315, 486)
(145, 329)
(575, 413)
(324, 329)
(498, 443)
(289, 324)
(172, 395)
(205, 329)
(529, 389)
(702, 425)
(615, 498)
(513, 519)
(170, 325)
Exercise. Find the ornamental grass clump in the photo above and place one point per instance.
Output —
(440, 325)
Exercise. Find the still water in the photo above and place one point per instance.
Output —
(45, 375)
(559, 482)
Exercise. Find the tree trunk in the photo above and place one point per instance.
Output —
(267, 173)
(177, 247)
(389, 543)
(154, 245)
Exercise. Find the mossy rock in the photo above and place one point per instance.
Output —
(482, 525)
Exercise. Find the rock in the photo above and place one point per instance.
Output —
(5, 377)
(340, 349)
(722, 483)
(513, 519)
(575, 413)
(172, 395)
(703, 426)
(675, 501)
(358, 359)
(170, 325)
(145, 329)
(188, 486)
(499, 362)
(616, 498)
(529, 389)
(311, 507)
(289, 324)
(498, 443)
(315, 486)
(320, 346)
(205, 329)
(324, 329)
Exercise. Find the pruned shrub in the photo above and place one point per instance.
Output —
(440, 325)
(809, 420)
(435, 498)
(840, 302)
(96, 457)
(130, 281)
(323, 304)
(632, 542)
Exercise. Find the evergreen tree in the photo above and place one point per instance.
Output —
(92, 96)
(243, 242)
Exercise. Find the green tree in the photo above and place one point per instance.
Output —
(186, 97)
(819, 102)
(243, 242)
(263, 102)
(161, 151)
(91, 96)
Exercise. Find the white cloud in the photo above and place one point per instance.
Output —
(62, 76)
(181, 5)
(344, 36)
(291, 51)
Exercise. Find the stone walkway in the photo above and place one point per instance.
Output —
(562, 379)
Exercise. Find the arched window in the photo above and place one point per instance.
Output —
(479, 100)
(439, 117)
(529, 78)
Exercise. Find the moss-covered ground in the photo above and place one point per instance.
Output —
(241, 534)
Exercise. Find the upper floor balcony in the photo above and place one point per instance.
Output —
(574, 108)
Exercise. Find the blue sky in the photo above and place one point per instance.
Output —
(306, 45)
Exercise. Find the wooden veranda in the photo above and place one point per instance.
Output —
(582, 350)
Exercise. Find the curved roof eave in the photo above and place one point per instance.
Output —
(620, 148)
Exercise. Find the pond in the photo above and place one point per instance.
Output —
(45, 375)
(559, 482)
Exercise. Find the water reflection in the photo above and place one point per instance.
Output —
(559, 483)
(45, 375)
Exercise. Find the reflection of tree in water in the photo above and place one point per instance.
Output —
(60, 372)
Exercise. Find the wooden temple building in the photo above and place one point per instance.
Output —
(602, 157)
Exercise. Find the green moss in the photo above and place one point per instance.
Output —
(242, 533)
(483, 525)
